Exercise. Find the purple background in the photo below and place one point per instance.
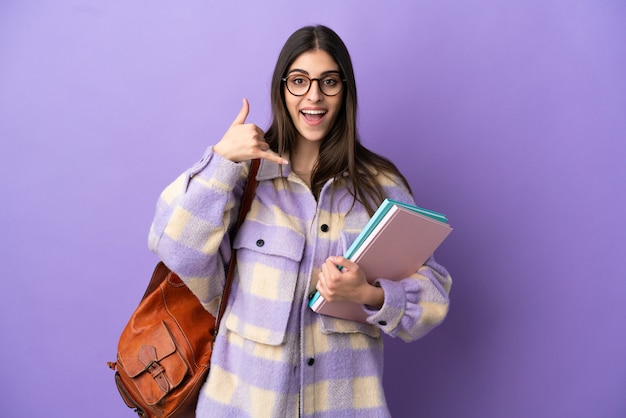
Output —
(509, 116)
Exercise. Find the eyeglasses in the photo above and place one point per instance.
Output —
(299, 84)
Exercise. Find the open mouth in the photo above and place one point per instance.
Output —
(313, 115)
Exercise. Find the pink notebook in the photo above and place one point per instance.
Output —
(394, 245)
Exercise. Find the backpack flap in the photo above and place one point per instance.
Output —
(155, 366)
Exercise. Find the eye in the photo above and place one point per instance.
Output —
(298, 80)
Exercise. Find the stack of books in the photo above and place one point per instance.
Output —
(394, 244)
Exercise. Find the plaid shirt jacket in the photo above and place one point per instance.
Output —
(275, 357)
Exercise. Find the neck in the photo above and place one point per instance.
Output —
(304, 158)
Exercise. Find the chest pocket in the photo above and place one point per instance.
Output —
(268, 261)
(330, 325)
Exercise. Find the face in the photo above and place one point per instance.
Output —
(314, 113)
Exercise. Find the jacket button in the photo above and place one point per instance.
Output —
(324, 228)
(260, 243)
(382, 323)
(310, 361)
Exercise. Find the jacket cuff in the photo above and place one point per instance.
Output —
(214, 166)
(388, 317)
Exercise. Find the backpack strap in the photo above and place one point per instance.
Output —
(246, 202)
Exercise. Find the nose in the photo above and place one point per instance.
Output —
(315, 92)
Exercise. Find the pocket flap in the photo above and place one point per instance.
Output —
(330, 325)
(270, 239)
(158, 339)
(152, 362)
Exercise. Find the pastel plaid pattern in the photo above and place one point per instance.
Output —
(274, 357)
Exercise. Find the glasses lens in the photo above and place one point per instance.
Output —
(298, 84)
(331, 85)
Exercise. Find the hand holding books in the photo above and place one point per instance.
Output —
(394, 244)
(342, 279)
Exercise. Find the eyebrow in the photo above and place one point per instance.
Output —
(298, 70)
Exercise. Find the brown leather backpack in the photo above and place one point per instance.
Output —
(164, 352)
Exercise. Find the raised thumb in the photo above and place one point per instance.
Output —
(243, 113)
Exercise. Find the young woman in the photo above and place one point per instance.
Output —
(318, 186)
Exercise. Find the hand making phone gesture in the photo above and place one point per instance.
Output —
(245, 141)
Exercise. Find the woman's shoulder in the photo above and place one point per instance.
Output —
(394, 185)
(385, 177)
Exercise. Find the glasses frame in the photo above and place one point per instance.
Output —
(311, 80)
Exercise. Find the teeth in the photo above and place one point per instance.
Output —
(314, 112)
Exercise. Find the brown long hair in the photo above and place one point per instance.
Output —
(341, 151)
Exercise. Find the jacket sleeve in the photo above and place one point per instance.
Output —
(415, 305)
(190, 230)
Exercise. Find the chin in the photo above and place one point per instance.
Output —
(313, 138)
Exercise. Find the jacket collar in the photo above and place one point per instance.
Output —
(269, 170)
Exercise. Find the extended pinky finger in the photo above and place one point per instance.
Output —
(270, 156)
